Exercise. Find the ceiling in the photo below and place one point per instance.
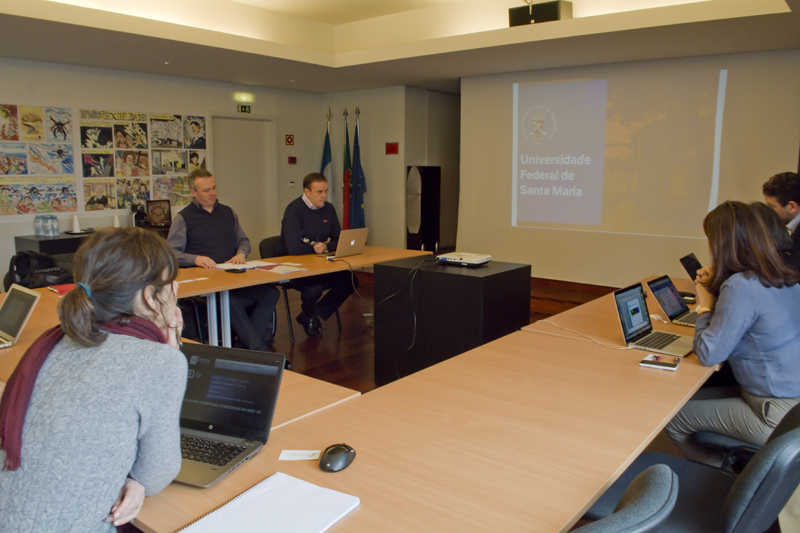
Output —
(435, 64)
(342, 11)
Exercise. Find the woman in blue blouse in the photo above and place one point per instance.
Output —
(750, 317)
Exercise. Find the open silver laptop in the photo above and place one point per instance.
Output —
(227, 409)
(637, 329)
(351, 242)
(671, 302)
(14, 313)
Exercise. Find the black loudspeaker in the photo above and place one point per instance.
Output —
(536, 13)
(423, 207)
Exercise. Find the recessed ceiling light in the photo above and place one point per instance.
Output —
(166, 62)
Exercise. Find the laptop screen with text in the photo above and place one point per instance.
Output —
(229, 396)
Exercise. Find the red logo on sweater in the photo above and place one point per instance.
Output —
(325, 221)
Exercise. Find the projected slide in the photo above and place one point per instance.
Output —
(632, 152)
(559, 148)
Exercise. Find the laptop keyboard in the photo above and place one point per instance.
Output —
(208, 451)
(657, 340)
(689, 318)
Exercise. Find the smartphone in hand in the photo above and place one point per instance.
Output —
(692, 265)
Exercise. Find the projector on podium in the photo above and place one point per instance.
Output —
(464, 259)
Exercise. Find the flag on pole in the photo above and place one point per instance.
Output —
(348, 169)
(326, 168)
(358, 184)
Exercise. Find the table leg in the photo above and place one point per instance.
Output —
(211, 306)
(225, 305)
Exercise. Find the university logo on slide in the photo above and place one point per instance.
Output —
(538, 124)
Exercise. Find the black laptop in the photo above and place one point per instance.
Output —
(227, 410)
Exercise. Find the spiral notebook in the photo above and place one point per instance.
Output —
(280, 503)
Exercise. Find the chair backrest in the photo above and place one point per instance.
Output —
(268, 247)
(768, 480)
(645, 505)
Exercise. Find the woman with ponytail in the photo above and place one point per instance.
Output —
(89, 421)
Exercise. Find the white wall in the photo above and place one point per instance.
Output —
(382, 121)
(760, 138)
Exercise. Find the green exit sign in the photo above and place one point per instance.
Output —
(243, 108)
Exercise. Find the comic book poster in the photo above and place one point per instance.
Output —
(31, 120)
(96, 135)
(132, 191)
(38, 195)
(9, 123)
(131, 135)
(132, 163)
(194, 132)
(197, 159)
(58, 122)
(169, 162)
(166, 131)
(97, 164)
(99, 194)
(175, 189)
(13, 159)
(51, 159)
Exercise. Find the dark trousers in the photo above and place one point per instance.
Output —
(339, 286)
(254, 329)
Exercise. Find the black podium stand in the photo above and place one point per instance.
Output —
(456, 309)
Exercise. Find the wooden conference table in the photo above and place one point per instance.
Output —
(207, 282)
(521, 434)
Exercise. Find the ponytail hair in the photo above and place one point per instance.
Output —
(112, 269)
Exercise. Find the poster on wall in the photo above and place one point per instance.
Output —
(31, 120)
(194, 133)
(38, 195)
(9, 122)
(132, 191)
(58, 121)
(53, 159)
(13, 159)
(99, 194)
(166, 131)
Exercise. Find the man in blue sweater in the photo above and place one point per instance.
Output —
(310, 226)
(207, 232)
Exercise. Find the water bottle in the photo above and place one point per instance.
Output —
(38, 225)
(56, 230)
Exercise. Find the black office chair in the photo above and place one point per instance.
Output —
(268, 248)
(645, 505)
(714, 501)
(737, 453)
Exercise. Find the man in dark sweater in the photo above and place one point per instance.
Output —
(782, 193)
(310, 226)
(207, 232)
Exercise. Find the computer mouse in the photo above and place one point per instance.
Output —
(336, 457)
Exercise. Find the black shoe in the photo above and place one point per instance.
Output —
(312, 325)
(287, 365)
